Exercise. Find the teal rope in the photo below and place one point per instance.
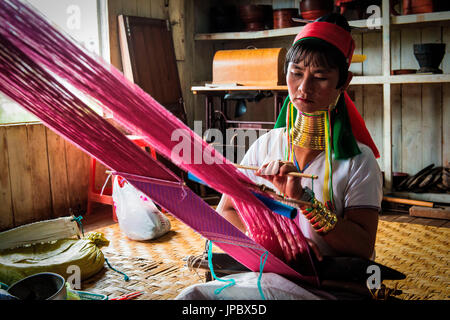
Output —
(261, 267)
(232, 282)
(78, 220)
(126, 278)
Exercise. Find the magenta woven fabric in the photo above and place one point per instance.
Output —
(36, 61)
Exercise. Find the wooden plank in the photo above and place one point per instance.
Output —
(127, 64)
(6, 208)
(411, 106)
(411, 129)
(373, 94)
(409, 36)
(159, 9)
(263, 34)
(413, 78)
(404, 218)
(41, 195)
(395, 49)
(356, 68)
(358, 93)
(386, 153)
(421, 18)
(114, 9)
(431, 109)
(373, 116)
(58, 174)
(446, 100)
(428, 222)
(396, 105)
(446, 225)
(436, 213)
(431, 124)
(144, 8)
(371, 47)
(432, 197)
(20, 173)
(77, 176)
(130, 7)
(177, 23)
(446, 124)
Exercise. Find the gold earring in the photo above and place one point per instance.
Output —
(333, 105)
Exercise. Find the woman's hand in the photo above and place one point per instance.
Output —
(276, 172)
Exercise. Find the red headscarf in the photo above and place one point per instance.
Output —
(341, 39)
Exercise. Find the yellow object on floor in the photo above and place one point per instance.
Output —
(421, 253)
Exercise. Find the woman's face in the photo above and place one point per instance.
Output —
(311, 88)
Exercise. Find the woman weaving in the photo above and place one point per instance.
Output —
(315, 134)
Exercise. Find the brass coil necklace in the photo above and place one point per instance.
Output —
(309, 130)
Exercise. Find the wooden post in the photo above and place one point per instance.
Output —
(387, 109)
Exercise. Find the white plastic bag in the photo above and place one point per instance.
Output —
(138, 217)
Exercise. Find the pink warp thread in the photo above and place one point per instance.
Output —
(31, 50)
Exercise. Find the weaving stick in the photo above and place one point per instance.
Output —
(295, 174)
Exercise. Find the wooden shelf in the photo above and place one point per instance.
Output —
(357, 80)
(249, 34)
(443, 16)
(419, 78)
(362, 80)
(410, 78)
(263, 34)
(197, 89)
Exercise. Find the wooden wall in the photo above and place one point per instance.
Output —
(41, 175)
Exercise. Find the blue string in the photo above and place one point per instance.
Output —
(302, 171)
(78, 220)
(298, 167)
(126, 278)
(232, 282)
(261, 267)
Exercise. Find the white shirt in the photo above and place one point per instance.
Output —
(357, 182)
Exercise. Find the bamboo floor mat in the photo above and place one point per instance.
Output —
(158, 268)
(421, 253)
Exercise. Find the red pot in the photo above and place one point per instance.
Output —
(252, 16)
(282, 18)
(313, 9)
(417, 6)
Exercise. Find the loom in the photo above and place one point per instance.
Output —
(41, 67)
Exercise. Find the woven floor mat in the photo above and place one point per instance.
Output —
(157, 267)
(421, 253)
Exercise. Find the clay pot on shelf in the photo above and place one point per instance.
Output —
(223, 19)
(282, 18)
(313, 9)
(429, 56)
(418, 6)
(252, 16)
(268, 16)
